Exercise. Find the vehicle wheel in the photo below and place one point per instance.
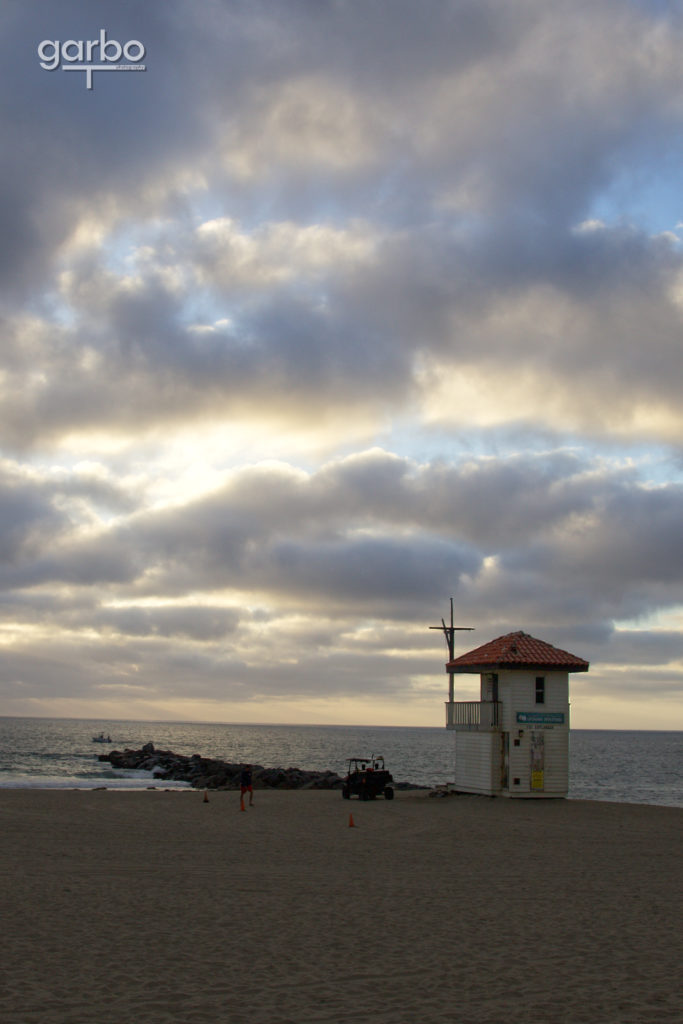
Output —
(345, 793)
(388, 793)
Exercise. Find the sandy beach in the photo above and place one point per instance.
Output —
(157, 907)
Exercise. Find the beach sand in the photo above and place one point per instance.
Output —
(157, 908)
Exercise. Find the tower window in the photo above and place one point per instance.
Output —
(540, 689)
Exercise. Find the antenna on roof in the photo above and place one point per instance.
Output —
(449, 633)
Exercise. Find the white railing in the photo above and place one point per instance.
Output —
(477, 715)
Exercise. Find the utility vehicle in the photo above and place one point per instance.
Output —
(366, 778)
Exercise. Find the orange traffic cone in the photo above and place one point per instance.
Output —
(242, 807)
(352, 824)
(206, 797)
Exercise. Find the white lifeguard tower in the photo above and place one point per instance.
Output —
(513, 741)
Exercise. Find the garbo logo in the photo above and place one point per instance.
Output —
(77, 55)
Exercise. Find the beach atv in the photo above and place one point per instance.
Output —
(367, 778)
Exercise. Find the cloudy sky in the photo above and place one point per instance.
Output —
(337, 310)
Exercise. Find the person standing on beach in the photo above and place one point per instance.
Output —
(246, 784)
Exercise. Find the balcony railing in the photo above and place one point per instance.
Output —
(474, 715)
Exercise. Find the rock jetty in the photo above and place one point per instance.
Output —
(209, 773)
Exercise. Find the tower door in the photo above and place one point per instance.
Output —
(491, 686)
(537, 762)
(505, 760)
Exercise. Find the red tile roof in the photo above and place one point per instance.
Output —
(517, 650)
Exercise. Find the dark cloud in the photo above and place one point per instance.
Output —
(380, 532)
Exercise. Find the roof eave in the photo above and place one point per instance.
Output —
(497, 665)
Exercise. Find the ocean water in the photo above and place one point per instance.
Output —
(623, 767)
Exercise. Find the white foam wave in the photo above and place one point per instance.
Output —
(132, 781)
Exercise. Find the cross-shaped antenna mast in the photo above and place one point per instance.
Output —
(449, 633)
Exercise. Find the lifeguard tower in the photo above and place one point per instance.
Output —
(513, 741)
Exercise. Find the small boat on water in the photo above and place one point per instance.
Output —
(101, 738)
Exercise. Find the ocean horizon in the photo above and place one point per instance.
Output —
(621, 766)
